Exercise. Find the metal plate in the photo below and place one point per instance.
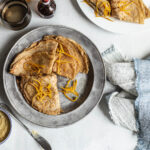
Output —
(90, 86)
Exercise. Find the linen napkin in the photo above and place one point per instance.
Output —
(130, 78)
(142, 103)
(121, 75)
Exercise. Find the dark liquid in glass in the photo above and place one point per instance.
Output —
(16, 14)
(46, 10)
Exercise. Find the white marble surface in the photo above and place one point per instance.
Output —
(96, 131)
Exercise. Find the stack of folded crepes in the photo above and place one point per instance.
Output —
(127, 10)
(38, 65)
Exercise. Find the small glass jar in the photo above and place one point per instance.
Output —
(46, 8)
(15, 14)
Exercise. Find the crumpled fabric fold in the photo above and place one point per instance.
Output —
(128, 85)
(121, 76)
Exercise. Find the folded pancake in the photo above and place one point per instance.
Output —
(77, 52)
(41, 93)
(37, 59)
(130, 10)
(71, 58)
(101, 7)
(40, 63)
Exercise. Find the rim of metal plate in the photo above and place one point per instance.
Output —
(73, 116)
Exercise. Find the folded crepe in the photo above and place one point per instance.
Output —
(38, 59)
(130, 10)
(101, 7)
(71, 57)
(41, 93)
(37, 64)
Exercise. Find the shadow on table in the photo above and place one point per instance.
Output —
(104, 108)
(33, 5)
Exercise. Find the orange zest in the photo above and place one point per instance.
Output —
(70, 90)
(41, 91)
(107, 9)
(61, 51)
(123, 6)
(33, 68)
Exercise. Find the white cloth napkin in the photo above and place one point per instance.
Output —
(121, 77)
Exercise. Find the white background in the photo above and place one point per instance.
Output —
(96, 131)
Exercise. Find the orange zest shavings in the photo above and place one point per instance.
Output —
(70, 90)
(123, 6)
(61, 51)
(107, 9)
(41, 91)
(33, 68)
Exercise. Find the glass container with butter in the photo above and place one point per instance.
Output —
(5, 126)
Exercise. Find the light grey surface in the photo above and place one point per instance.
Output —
(96, 131)
(92, 84)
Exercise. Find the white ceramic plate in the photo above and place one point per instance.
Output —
(116, 26)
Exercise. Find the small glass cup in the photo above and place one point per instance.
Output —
(15, 14)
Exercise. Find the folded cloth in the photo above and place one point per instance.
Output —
(122, 111)
(132, 78)
(120, 74)
(142, 103)
(123, 75)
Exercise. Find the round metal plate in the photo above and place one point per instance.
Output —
(90, 86)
